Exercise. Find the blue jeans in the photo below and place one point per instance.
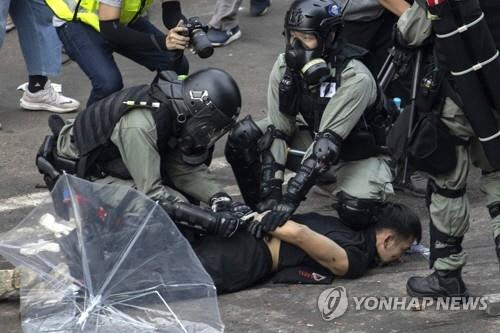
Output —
(38, 38)
(94, 55)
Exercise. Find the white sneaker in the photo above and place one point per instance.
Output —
(48, 99)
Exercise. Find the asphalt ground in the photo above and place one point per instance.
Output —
(268, 307)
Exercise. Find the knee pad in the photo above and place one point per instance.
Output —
(356, 213)
(241, 146)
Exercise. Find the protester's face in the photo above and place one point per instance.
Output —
(308, 40)
(391, 248)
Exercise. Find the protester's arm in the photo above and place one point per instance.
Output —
(397, 7)
(319, 247)
(119, 34)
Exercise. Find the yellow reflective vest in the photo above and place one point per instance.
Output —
(87, 11)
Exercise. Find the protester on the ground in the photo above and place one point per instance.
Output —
(308, 248)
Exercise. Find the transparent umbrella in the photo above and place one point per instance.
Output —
(105, 258)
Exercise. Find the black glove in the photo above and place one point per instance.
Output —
(220, 202)
(273, 198)
(227, 224)
(279, 215)
(239, 209)
(255, 228)
(288, 92)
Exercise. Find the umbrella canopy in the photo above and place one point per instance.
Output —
(105, 258)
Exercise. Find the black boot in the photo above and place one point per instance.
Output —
(441, 283)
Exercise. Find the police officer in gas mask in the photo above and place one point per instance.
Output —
(157, 138)
(320, 100)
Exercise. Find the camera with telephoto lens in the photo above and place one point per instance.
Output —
(199, 40)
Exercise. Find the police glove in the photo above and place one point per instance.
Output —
(239, 209)
(288, 92)
(226, 224)
(220, 202)
(255, 228)
(280, 214)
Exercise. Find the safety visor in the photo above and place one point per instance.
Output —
(209, 125)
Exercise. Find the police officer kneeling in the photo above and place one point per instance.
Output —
(320, 99)
(158, 138)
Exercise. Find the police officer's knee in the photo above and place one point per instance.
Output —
(355, 212)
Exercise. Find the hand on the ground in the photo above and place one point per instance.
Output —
(177, 38)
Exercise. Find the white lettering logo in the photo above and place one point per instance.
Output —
(332, 303)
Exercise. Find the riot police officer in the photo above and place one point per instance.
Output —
(157, 138)
(319, 99)
(446, 195)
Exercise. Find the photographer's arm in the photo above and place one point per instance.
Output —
(319, 247)
(124, 36)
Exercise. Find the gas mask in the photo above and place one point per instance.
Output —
(201, 131)
(307, 62)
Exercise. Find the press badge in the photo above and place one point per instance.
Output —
(327, 89)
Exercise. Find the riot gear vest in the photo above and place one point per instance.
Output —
(93, 128)
(87, 11)
(312, 101)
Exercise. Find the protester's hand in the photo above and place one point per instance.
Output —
(177, 37)
(279, 215)
(227, 224)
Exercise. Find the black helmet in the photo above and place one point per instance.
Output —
(214, 102)
(316, 16)
(214, 88)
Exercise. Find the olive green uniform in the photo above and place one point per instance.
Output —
(369, 178)
(451, 215)
(135, 137)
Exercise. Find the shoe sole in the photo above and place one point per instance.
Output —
(413, 293)
(229, 40)
(44, 107)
